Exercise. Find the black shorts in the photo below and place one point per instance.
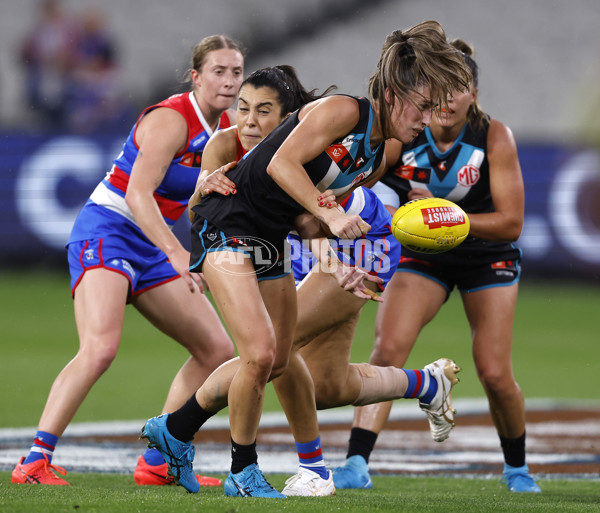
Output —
(477, 275)
(269, 263)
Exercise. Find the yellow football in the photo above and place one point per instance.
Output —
(430, 225)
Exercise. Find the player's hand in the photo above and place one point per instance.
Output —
(353, 280)
(349, 226)
(327, 199)
(180, 262)
(215, 182)
(414, 194)
(218, 182)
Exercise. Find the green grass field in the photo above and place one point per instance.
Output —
(555, 349)
(92, 493)
(555, 355)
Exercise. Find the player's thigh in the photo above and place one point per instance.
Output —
(237, 295)
(99, 303)
(491, 314)
(184, 316)
(279, 296)
(322, 305)
(411, 301)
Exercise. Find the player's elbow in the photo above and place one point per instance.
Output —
(132, 198)
(513, 229)
(275, 168)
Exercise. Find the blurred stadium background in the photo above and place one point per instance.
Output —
(539, 65)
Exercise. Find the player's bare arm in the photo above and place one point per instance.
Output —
(161, 134)
(321, 124)
(506, 186)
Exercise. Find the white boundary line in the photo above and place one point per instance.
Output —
(409, 452)
(400, 411)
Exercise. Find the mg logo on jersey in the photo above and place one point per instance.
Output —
(468, 175)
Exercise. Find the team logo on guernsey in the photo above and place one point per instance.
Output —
(341, 156)
(414, 173)
(468, 175)
(194, 158)
(191, 159)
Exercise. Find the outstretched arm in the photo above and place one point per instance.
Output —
(352, 279)
(321, 123)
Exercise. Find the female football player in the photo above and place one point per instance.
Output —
(121, 250)
(238, 240)
(471, 159)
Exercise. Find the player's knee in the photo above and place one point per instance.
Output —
(215, 355)
(496, 380)
(260, 364)
(97, 360)
(327, 394)
(389, 352)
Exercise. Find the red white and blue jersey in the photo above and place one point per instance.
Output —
(377, 252)
(177, 185)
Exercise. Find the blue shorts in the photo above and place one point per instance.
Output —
(269, 264)
(142, 263)
(376, 255)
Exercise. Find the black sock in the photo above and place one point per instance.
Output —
(361, 442)
(242, 456)
(188, 419)
(514, 450)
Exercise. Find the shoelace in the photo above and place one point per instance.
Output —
(177, 463)
(444, 407)
(48, 468)
(257, 482)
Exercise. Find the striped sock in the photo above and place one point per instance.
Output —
(310, 455)
(43, 445)
(420, 385)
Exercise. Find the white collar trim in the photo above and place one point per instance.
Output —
(201, 117)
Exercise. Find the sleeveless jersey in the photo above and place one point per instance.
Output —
(177, 185)
(261, 208)
(461, 174)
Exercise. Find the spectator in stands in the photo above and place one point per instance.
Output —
(48, 54)
(96, 99)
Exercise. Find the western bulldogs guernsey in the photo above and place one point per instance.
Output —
(176, 187)
(377, 252)
(261, 208)
(461, 175)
